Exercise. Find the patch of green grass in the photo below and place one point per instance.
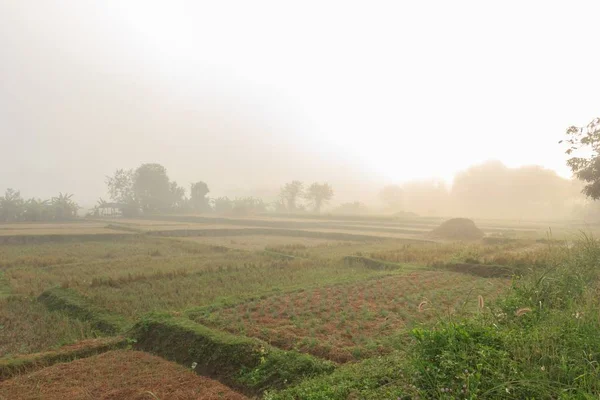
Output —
(27, 326)
(76, 306)
(242, 362)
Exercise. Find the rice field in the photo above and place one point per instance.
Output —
(283, 281)
(347, 322)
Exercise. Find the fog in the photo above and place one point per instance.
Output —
(249, 96)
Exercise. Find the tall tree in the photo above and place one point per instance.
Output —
(290, 194)
(318, 195)
(152, 188)
(586, 169)
(120, 186)
(198, 199)
(178, 199)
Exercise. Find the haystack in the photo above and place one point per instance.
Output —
(457, 229)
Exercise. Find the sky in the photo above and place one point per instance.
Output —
(247, 95)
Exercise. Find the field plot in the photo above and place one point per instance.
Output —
(73, 228)
(264, 242)
(31, 269)
(505, 253)
(346, 322)
(134, 297)
(338, 289)
(27, 326)
(120, 374)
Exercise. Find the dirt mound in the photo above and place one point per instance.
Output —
(457, 229)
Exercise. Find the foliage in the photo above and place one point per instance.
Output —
(290, 194)
(64, 206)
(375, 378)
(222, 205)
(152, 188)
(14, 208)
(531, 192)
(198, 199)
(240, 206)
(120, 190)
(11, 205)
(587, 168)
(318, 195)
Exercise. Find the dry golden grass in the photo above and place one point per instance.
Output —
(119, 374)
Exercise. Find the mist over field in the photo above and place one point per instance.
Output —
(252, 103)
(277, 200)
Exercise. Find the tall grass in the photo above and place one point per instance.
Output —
(539, 341)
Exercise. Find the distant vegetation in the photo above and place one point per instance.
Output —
(14, 208)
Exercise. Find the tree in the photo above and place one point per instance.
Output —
(64, 206)
(223, 205)
(393, 197)
(290, 194)
(248, 205)
(11, 205)
(36, 210)
(152, 188)
(178, 199)
(586, 169)
(318, 195)
(198, 199)
(120, 190)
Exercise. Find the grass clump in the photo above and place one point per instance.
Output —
(539, 341)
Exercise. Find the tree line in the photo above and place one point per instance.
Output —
(490, 189)
(14, 208)
(148, 189)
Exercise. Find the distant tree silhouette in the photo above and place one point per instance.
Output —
(290, 194)
(198, 199)
(319, 195)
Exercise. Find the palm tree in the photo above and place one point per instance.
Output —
(64, 206)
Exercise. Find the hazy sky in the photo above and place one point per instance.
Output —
(250, 94)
